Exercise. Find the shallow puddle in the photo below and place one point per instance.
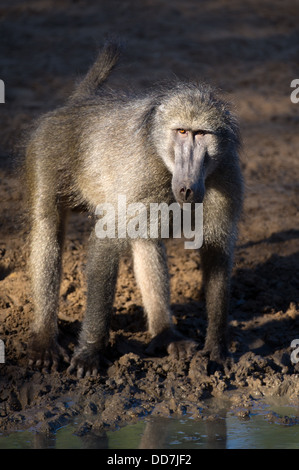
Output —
(271, 426)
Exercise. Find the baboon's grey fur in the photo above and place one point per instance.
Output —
(178, 143)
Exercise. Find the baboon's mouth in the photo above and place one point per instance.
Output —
(189, 205)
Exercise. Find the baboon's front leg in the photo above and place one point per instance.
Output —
(45, 267)
(151, 271)
(102, 269)
(216, 265)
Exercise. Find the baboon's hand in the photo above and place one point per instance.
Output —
(45, 355)
(174, 343)
(86, 362)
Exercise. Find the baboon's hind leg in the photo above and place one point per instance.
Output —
(151, 271)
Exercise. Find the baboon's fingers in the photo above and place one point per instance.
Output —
(85, 364)
(82, 371)
(71, 368)
(47, 359)
(63, 353)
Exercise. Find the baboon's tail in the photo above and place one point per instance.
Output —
(98, 73)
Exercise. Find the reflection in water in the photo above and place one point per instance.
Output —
(163, 433)
(215, 432)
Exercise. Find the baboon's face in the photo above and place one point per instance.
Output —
(192, 143)
(191, 161)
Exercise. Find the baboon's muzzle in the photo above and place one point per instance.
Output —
(188, 191)
(188, 181)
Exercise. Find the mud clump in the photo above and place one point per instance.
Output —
(133, 388)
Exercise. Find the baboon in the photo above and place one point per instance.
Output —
(177, 143)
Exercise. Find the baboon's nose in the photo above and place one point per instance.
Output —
(185, 193)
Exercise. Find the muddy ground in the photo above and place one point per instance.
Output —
(249, 50)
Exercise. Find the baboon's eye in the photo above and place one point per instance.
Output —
(182, 131)
(200, 132)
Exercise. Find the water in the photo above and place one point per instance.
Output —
(227, 432)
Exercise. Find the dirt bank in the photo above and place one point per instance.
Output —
(249, 50)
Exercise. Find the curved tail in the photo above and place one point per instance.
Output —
(98, 73)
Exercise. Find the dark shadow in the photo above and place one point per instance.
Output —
(269, 286)
(124, 345)
(4, 272)
(8, 162)
(278, 237)
(130, 320)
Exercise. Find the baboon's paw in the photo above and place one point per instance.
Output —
(174, 343)
(46, 355)
(218, 358)
(86, 363)
(215, 352)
